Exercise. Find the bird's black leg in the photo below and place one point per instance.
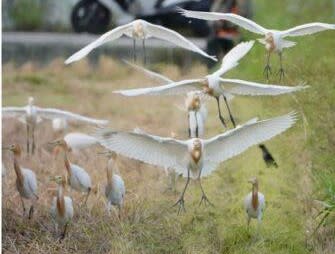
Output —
(33, 139)
(220, 115)
(281, 71)
(181, 201)
(134, 49)
(196, 125)
(23, 207)
(64, 232)
(204, 198)
(31, 212)
(189, 126)
(28, 137)
(230, 114)
(267, 157)
(88, 193)
(144, 53)
(267, 68)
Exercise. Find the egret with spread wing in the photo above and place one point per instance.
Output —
(143, 30)
(194, 157)
(215, 86)
(31, 115)
(274, 40)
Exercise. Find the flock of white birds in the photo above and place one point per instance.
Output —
(194, 157)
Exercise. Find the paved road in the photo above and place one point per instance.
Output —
(80, 40)
(43, 47)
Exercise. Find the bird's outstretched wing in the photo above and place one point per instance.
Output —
(155, 150)
(13, 111)
(150, 74)
(106, 37)
(175, 88)
(307, 29)
(236, 141)
(51, 113)
(171, 36)
(242, 87)
(230, 60)
(236, 19)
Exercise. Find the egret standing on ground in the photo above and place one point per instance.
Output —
(142, 30)
(197, 114)
(32, 114)
(61, 207)
(193, 157)
(274, 40)
(254, 202)
(115, 189)
(78, 178)
(26, 183)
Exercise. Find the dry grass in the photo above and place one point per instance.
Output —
(149, 225)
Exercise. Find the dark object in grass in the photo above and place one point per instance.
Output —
(267, 157)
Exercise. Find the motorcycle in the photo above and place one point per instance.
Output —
(96, 16)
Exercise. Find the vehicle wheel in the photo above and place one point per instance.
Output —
(90, 16)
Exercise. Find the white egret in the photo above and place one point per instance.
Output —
(32, 113)
(254, 202)
(194, 157)
(115, 188)
(197, 114)
(78, 178)
(194, 103)
(215, 86)
(61, 208)
(143, 30)
(26, 183)
(274, 40)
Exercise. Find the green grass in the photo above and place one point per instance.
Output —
(305, 155)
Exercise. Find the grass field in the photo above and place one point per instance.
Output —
(305, 155)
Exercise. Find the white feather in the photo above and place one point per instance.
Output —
(236, 19)
(79, 179)
(242, 87)
(230, 60)
(77, 141)
(175, 88)
(307, 29)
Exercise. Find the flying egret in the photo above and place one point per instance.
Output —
(78, 178)
(254, 202)
(61, 208)
(194, 157)
(26, 183)
(115, 189)
(32, 113)
(274, 40)
(143, 30)
(215, 86)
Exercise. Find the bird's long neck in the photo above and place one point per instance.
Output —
(18, 170)
(254, 200)
(67, 163)
(110, 171)
(60, 201)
